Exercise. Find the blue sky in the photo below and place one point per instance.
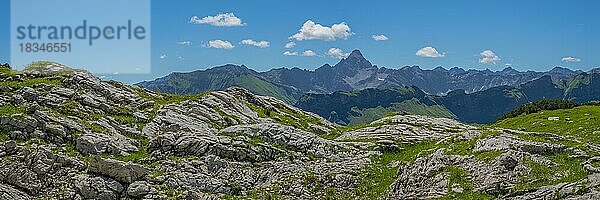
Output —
(528, 35)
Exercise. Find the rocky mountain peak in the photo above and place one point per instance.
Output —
(356, 54)
(355, 61)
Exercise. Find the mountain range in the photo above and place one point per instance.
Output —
(354, 91)
(479, 107)
(354, 72)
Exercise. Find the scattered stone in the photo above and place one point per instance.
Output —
(139, 189)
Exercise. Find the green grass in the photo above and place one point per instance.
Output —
(157, 173)
(256, 140)
(488, 156)
(584, 120)
(8, 110)
(70, 149)
(465, 147)
(459, 177)
(4, 136)
(97, 128)
(291, 118)
(5, 72)
(32, 82)
(568, 170)
(376, 178)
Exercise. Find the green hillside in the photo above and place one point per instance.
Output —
(221, 78)
(412, 106)
(261, 87)
(582, 122)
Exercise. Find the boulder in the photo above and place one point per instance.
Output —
(120, 171)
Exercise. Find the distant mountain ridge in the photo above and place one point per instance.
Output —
(354, 72)
(480, 107)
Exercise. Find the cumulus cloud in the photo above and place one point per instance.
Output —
(261, 44)
(313, 31)
(309, 53)
(570, 59)
(290, 53)
(488, 56)
(163, 56)
(380, 37)
(337, 53)
(290, 45)
(220, 44)
(185, 43)
(222, 19)
(429, 52)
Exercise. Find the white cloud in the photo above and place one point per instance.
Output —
(220, 44)
(185, 43)
(337, 53)
(488, 56)
(179, 57)
(380, 37)
(163, 56)
(290, 45)
(570, 59)
(312, 31)
(261, 44)
(290, 53)
(429, 52)
(309, 53)
(222, 19)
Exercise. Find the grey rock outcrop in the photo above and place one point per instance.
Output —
(120, 171)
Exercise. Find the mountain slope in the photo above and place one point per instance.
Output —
(220, 78)
(580, 122)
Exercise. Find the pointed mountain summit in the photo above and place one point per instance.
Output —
(352, 64)
(356, 54)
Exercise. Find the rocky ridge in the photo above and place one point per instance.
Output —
(65, 134)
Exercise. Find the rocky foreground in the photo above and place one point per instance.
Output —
(65, 134)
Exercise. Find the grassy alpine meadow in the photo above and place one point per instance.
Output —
(582, 122)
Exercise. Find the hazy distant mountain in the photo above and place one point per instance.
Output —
(352, 73)
(478, 107)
